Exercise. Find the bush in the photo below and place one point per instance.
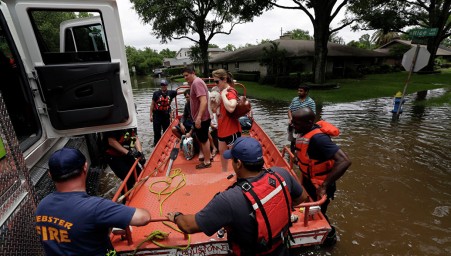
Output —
(253, 76)
(288, 81)
(173, 71)
(247, 76)
(267, 79)
(352, 73)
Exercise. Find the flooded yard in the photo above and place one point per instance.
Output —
(396, 197)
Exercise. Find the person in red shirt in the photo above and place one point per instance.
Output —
(229, 129)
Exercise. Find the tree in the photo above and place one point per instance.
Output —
(166, 53)
(230, 48)
(380, 38)
(363, 43)
(179, 19)
(274, 58)
(398, 15)
(195, 52)
(48, 23)
(334, 38)
(321, 13)
(144, 61)
(299, 34)
(447, 42)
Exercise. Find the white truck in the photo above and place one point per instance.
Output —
(63, 75)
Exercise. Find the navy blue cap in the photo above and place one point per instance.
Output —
(65, 161)
(246, 149)
(163, 82)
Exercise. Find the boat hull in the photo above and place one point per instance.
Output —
(199, 188)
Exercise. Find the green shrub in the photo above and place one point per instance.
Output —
(173, 71)
(267, 80)
(288, 81)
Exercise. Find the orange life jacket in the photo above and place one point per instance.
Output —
(315, 170)
(127, 140)
(163, 103)
(269, 197)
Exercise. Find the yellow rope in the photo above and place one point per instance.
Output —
(176, 172)
(159, 235)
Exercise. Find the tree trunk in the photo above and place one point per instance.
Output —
(203, 45)
(321, 30)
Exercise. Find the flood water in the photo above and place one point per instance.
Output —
(396, 197)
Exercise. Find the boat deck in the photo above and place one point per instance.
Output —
(199, 188)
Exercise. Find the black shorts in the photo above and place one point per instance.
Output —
(229, 140)
(202, 133)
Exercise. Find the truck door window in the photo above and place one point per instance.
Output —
(70, 36)
(16, 92)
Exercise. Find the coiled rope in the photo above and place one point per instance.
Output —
(157, 235)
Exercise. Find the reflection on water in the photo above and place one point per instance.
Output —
(396, 197)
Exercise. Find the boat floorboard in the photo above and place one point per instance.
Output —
(201, 186)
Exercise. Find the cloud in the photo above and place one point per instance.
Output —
(270, 25)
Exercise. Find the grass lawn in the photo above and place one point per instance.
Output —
(371, 86)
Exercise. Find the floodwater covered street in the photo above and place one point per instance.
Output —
(396, 197)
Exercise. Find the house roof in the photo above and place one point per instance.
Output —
(215, 50)
(177, 62)
(294, 48)
(441, 51)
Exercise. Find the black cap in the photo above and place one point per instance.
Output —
(64, 162)
(163, 82)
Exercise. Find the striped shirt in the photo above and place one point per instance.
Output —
(296, 104)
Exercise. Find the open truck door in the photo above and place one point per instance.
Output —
(74, 59)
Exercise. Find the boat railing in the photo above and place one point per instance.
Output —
(176, 111)
(127, 194)
(306, 206)
(291, 157)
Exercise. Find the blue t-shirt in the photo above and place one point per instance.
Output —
(321, 147)
(296, 104)
(74, 223)
(231, 209)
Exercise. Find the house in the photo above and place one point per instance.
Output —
(442, 51)
(299, 56)
(183, 58)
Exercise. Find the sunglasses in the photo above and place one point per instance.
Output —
(217, 81)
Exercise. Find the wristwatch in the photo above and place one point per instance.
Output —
(176, 214)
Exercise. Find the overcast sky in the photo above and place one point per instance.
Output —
(267, 26)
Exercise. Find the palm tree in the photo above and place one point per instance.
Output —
(379, 38)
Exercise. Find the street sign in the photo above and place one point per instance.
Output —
(420, 40)
(421, 61)
(423, 32)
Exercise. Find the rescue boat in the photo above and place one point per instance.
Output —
(186, 189)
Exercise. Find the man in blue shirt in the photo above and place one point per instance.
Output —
(320, 160)
(231, 210)
(302, 101)
(69, 221)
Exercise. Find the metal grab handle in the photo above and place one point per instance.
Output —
(308, 205)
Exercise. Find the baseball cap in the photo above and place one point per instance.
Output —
(246, 149)
(163, 82)
(65, 161)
